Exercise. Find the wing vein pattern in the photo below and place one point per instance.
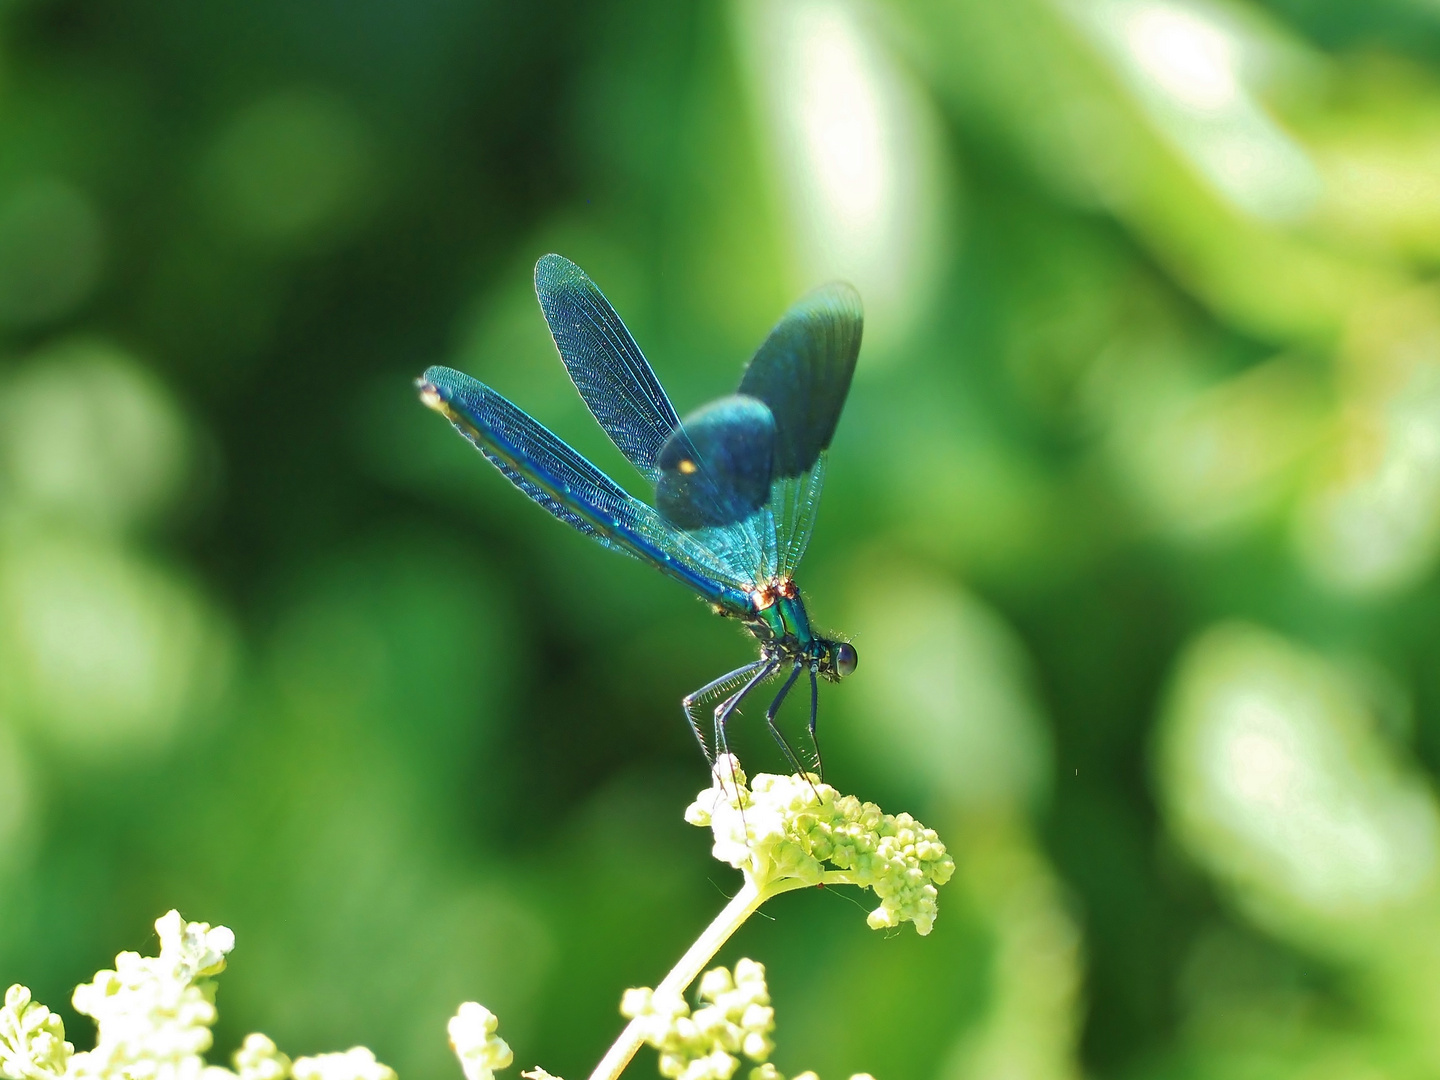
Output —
(561, 480)
(607, 367)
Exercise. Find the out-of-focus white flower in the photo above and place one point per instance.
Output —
(32, 1039)
(795, 828)
(259, 1059)
(154, 1013)
(473, 1038)
(196, 950)
(357, 1063)
(734, 1020)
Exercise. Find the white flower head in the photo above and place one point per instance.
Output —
(472, 1037)
(259, 1059)
(154, 1014)
(733, 1021)
(357, 1063)
(796, 828)
(194, 948)
(32, 1039)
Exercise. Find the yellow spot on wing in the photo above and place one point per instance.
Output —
(687, 466)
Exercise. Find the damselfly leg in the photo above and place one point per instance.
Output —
(709, 691)
(814, 709)
(726, 708)
(774, 709)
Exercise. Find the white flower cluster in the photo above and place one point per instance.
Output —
(260, 1059)
(154, 1013)
(795, 828)
(357, 1063)
(735, 1019)
(473, 1038)
(154, 1016)
(32, 1039)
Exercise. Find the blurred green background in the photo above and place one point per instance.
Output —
(1133, 515)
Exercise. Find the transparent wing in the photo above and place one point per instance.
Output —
(794, 501)
(571, 488)
(605, 364)
(803, 372)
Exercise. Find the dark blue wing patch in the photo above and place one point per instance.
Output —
(604, 362)
(803, 371)
(715, 470)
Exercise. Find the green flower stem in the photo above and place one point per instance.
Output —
(744, 904)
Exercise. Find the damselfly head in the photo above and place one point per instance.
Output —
(838, 659)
